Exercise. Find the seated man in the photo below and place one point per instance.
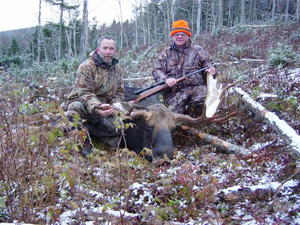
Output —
(99, 84)
(181, 58)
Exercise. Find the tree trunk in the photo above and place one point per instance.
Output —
(254, 10)
(144, 33)
(148, 27)
(136, 16)
(220, 17)
(288, 134)
(273, 9)
(241, 193)
(39, 33)
(199, 14)
(166, 27)
(74, 38)
(121, 24)
(60, 28)
(298, 12)
(224, 145)
(84, 30)
(213, 16)
(170, 16)
(45, 49)
(230, 14)
(136, 32)
(69, 43)
(243, 2)
(287, 12)
(155, 24)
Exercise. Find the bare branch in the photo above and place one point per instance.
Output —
(224, 145)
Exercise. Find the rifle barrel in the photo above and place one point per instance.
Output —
(163, 82)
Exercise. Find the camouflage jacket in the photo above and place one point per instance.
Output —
(97, 83)
(174, 63)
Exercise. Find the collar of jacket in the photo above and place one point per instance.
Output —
(99, 61)
(187, 45)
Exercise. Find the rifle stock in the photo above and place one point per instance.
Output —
(146, 92)
(150, 92)
(155, 89)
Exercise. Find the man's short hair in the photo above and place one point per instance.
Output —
(105, 37)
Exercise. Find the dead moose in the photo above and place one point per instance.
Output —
(154, 122)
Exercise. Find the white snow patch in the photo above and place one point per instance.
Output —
(288, 133)
(263, 96)
(272, 185)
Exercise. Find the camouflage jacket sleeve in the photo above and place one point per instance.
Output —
(119, 96)
(85, 88)
(160, 67)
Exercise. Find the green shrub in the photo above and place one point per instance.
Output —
(282, 56)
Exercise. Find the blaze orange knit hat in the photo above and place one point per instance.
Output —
(181, 26)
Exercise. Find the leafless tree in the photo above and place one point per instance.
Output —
(84, 30)
(220, 17)
(298, 12)
(39, 32)
(243, 17)
(273, 9)
(287, 11)
(199, 14)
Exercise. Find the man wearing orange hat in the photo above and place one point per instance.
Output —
(181, 58)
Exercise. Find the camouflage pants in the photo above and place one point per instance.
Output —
(189, 100)
(101, 128)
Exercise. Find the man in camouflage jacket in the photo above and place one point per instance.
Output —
(99, 84)
(177, 60)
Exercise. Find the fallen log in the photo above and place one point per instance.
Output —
(224, 145)
(288, 134)
(267, 191)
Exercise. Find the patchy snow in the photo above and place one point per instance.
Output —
(280, 126)
(109, 190)
(294, 74)
(264, 96)
(271, 185)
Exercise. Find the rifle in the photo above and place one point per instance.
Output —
(148, 91)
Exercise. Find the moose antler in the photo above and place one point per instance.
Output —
(214, 98)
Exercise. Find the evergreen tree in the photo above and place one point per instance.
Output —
(14, 47)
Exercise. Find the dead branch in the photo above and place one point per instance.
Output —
(224, 145)
(256, 192)
(288, 134)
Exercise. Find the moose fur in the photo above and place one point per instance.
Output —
(153, 127)
(154, 122)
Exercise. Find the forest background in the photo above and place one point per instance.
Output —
(75, 34)
(44, 179)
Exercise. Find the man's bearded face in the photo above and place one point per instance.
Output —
(107, 50)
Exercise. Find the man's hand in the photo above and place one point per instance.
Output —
(170, 82)
(211, 70)
(105, 110)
